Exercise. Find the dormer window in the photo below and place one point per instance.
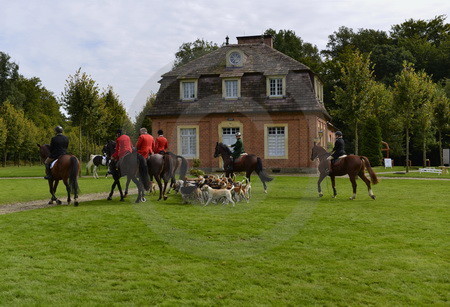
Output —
(188, 90)
(231, 88)
(276, 86)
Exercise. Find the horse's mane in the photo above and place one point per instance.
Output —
(228, 150)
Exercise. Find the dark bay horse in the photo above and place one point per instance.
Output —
(134, 166)
(163, 168)
(246, 163)
(67, 169)
(352, 165)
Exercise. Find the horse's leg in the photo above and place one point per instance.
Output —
(367, 182)
(112, 190)
(50, 186)
(122, 197)
(333, 185)
(319, 189)
(55, 186)
(158, 180)
(353, 181)
(94, 172)
(66, 183)
(127, 185)
(141, 191)
(164, 189)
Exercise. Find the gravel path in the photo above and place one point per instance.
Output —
(38, 204)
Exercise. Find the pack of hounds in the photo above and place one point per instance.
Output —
(213, 189)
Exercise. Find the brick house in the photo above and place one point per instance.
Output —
(273, 100)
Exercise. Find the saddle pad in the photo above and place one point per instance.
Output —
(104, 161)
(53, 163)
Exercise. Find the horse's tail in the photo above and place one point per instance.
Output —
(73, 176)
(373, 176)
(183, 167)
(261, 172)
(143, 172)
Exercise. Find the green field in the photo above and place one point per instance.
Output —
(285, 248)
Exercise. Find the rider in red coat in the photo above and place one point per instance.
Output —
(145, 143)
(161, 143)
(123, 145)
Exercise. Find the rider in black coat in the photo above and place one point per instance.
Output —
(58, 147)
(338, 150)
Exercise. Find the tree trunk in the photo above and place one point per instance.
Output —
(356, 140)
(424, 153)
(407, 150)
(441, 158)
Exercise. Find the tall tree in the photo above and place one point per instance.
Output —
(441, 119)
(354, 97)
(287, 42)
(15, 122)
(116, 115)
(142, 120)
(81, 101)
(190, 51)
(412, 91)
(371, 141)
(9, 73)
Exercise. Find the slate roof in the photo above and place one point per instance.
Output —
(259, 60)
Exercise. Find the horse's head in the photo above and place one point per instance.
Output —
(317, 151)
(221, 149)
(109, 148)
(44, 151)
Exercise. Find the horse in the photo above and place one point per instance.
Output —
(132, 165)
(67, 169)
(163, 167)
(352, 165)
(95, 162)
(246, 163)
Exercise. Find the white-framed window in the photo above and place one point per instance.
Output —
(188, 141)
(188, 89)
(231, 88)
(229, 135)
(276, 141)
(276, 86)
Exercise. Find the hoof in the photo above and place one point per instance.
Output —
(50, 202)
(265, 191)
(122, 199)
(165, 197)
(75, 204)
(352, 198)
(320, 194)
(58, 202)
(373, 197)
(109, 198)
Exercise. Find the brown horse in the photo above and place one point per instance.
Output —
(163, 167)
(67, 169)
(246, 163)
(352, 165)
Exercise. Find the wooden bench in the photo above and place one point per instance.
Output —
(430, 170)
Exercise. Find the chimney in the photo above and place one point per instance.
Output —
(226, 40)
(256, 39)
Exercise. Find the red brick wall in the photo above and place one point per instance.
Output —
(302, 129)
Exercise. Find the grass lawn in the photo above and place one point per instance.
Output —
(285, 248)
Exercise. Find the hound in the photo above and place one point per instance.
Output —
(215, 194)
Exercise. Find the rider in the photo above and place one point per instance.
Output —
(145, 143)
(339, 148)
(161, 143)
(58, 147)
(123, 147)
(237, 151)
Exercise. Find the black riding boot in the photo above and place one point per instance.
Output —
(48, 172)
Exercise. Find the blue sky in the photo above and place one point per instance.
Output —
(129, 44)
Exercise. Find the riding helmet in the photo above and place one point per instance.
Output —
(238, 134)
(58, 129)
(339, 133)
(160, 132)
